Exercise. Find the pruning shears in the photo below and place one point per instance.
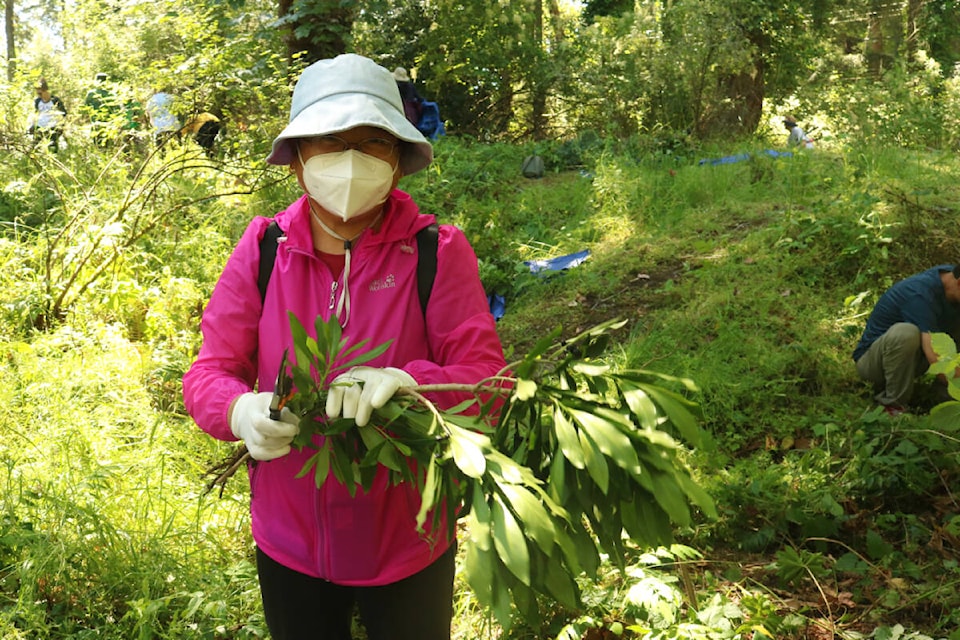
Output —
(283, 390)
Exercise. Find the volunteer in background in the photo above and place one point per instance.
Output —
(896, 347)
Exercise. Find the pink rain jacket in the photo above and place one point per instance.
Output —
(371, 538)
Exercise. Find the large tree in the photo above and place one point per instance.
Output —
(776, 45)
(316, 29)
(492, 67)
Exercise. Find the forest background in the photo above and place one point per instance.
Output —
(752, 279)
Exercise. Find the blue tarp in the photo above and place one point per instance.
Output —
(430, 123)
(498, 306)
(559, 263)
(740, 157)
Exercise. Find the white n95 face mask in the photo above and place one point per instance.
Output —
(347, 183)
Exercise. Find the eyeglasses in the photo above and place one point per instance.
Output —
(377, 147)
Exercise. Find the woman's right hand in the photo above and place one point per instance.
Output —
(265, 438)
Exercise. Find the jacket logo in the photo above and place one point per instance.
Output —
(383, 283)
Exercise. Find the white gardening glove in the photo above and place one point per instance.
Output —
(362, 389)
(250, 421)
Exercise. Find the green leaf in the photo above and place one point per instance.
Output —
(390, 458)
(560, 584)
(428, 494)
(588, 369)
(658, 440)
(646, 523)
(463, 406)
(527, 366)
(366, 356)
(641, 405)
(478, 568)
(301, 344)
(556, 481)
(524, 601)
(674, 406)
(321, 469)
(669, 496)
(342, 464)
(501, 601)
(328, 334)
(596, 463)
(307, 466)
(946, 416)
(525, 389)
(877, 547)
(535, 521)
(657, 529)
(370, 458)
(945, 367)
(698, 495)
(510, 542)
(572, 554)
(467, 452)
(611, 440)
(371, 437)
(480, 518)
(568, 439)
(593, 334)
(943, 345)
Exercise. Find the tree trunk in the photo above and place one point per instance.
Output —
(537, 84)
(745, 91)
(556, 20)
(875, 43)
(913, 12)
(11, 45)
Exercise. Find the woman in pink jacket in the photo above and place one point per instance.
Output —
(348, 249)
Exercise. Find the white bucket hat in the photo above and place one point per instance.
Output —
(346, 92)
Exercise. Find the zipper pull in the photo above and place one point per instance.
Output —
(333, 294)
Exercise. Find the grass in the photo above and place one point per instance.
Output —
(753, 279)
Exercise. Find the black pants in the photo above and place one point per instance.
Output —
(207, 135)
(299, 607)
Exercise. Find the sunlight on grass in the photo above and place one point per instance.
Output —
(105, 474)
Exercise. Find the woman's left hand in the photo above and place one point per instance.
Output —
(362, 389)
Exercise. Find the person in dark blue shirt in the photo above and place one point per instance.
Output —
(896, 346)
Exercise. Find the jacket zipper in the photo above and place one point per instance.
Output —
(333, 293)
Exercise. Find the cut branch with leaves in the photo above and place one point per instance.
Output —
(548, 466)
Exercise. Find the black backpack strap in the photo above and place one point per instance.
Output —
(427, 241)
(268, 255)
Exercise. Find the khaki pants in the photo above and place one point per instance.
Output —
(893, 363)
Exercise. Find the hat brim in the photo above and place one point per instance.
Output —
(345, 111)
